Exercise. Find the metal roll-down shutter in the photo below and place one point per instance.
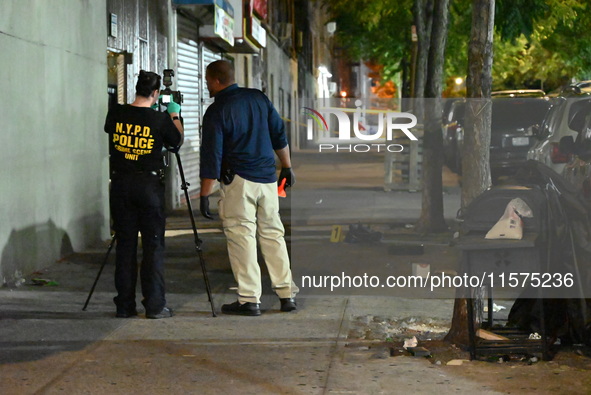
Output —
(190, 84)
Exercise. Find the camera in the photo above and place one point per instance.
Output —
(168, 93)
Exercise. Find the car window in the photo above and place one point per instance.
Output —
(578, 113)
(586, 128)
(552, 119)
(519, 113)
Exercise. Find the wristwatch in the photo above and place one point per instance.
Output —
(175, 118)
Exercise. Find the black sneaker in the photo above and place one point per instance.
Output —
(248, 308)
(165, 313)
(288, 304)
(126, 313)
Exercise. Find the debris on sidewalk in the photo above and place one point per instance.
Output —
(16, 281)
(456, 362)
(43, 282)
(421, 269)
(487, 335)
(361, 234)
(496, 308)
(410, 343)
(369, 327)
(419, 351)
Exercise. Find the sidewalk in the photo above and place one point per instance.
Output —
(49, 345)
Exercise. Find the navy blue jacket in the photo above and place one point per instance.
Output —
(243, 128)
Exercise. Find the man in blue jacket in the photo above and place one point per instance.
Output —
(242, 132)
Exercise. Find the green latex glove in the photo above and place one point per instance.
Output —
(156, 106)
(173, 107)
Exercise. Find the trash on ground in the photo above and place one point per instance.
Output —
(496, 308)
(456, 362)
(421, 269)
(43, 282)
(487, 335)
(535, 336)
(412, 342)
(361, 234)
(16, 281)
(419, 351)
(533, 360)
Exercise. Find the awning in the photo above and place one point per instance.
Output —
(225, 5)
(217, 18)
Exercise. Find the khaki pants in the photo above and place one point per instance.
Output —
(250, 211)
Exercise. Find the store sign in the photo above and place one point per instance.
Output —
(257, 33)
(260, 8)
(224, 25)
(218, 26)
(113, 25)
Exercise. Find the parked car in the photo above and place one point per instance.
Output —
(513, 122)
(512, 132)
(579, 87)
(578, 169)
(554, 127)
(519, 93)
(452, 127)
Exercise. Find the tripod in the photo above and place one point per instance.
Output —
(198, 242)
(99, 272)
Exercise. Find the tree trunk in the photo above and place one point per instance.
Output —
(476, 147)
(432, 219)
(423, 16)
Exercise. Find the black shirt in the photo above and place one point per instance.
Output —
(137, 136)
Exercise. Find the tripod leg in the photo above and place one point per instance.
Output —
(185, 187)
(99, 272)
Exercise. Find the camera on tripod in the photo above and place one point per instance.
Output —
(168, 93)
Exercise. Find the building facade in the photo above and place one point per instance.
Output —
(70, 62)
(54, 196)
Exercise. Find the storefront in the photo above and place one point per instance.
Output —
(202, 36)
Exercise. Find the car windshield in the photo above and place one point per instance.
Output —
(517, 113)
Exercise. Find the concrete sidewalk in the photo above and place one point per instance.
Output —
(50, 346)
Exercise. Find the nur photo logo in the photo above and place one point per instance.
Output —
(354, 131)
